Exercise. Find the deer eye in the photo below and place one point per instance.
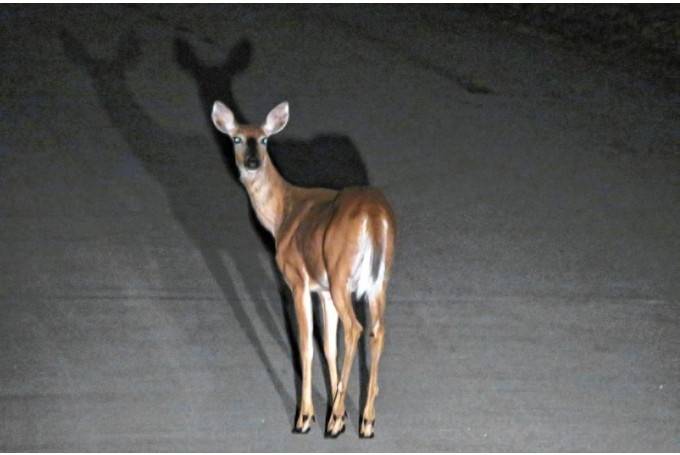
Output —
(264, 141)
(237, 140)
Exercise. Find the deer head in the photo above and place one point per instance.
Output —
(250, 141)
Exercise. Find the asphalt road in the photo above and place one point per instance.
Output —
(534, 303)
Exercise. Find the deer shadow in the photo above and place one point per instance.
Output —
(195, 182)
(298, 161)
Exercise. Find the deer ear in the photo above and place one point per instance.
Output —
(276, 119)
(223, 118)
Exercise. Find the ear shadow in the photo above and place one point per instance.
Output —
(214, 83)
(194, 184)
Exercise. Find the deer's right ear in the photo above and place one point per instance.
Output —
(223, 118)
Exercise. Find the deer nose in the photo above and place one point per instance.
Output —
(252, 163)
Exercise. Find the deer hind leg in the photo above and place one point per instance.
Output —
(377, 310)
(303, 314)
(330, 338)
(352, 331)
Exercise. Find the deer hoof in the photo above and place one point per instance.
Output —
(336, 426)
(304, 424)
(367, 430)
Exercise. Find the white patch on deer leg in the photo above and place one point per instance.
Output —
(307, 302)
(376, 325)
(323, 281)
(330, 325)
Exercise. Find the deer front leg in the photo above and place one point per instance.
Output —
(303, 314)
(330, 339)
(352, 330)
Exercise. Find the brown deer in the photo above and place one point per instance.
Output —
(334, 243)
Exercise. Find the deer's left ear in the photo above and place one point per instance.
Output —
(276, 119)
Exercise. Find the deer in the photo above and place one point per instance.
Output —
(338, 244)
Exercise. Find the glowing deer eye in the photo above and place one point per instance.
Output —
(264, 140)
(237, 140)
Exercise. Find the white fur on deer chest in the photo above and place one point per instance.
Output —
(263, 204)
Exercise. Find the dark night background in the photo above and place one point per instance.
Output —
(532, 156)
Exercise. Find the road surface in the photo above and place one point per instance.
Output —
(534, 303)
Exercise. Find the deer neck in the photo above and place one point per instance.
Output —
(268, 192)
